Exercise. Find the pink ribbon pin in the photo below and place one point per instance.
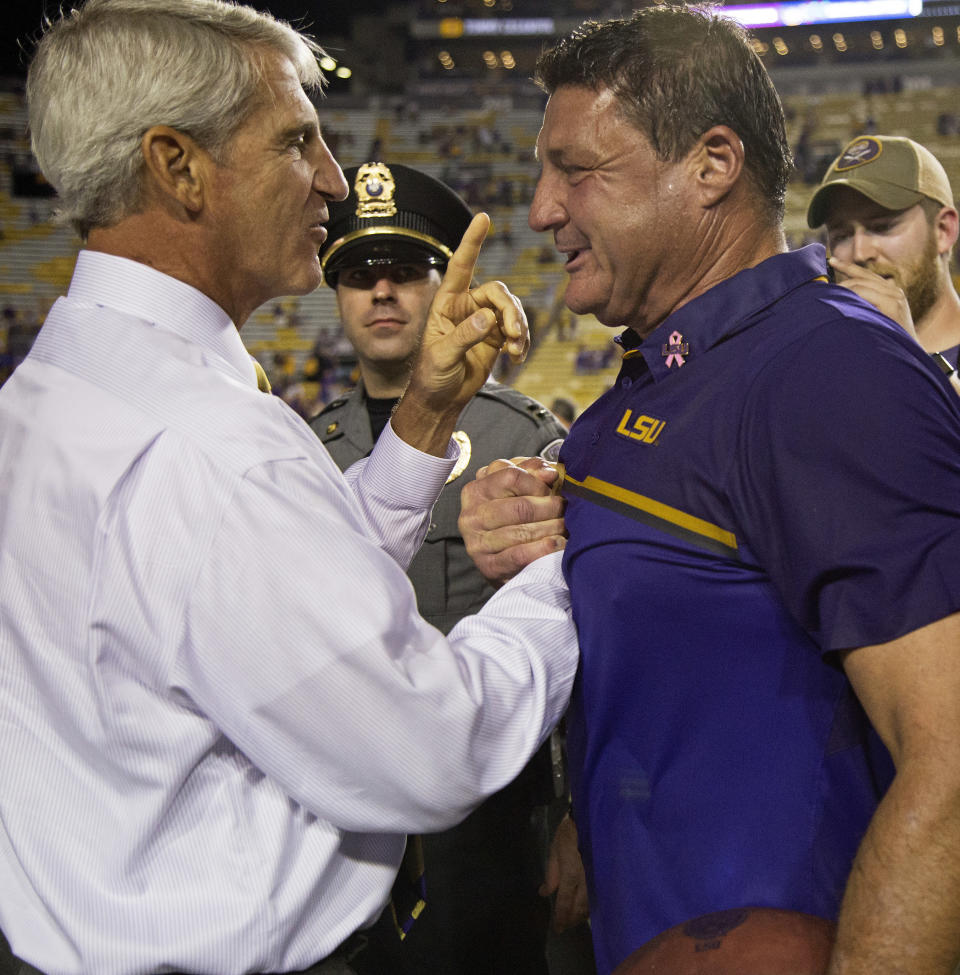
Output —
(675, 350)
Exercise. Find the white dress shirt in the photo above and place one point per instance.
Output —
(220, 711)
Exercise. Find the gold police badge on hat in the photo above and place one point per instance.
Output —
(375, 187)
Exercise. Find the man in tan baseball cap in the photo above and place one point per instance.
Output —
(891, 226)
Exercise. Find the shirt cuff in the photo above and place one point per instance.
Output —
(408, 475)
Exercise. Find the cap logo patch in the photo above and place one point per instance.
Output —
(375, 187)
(858, 153)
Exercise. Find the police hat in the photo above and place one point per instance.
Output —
(393, 214)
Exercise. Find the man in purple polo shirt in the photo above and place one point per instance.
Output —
(764, 526)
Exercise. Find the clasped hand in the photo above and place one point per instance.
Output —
(511, 515)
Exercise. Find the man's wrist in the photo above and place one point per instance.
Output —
(427, 430)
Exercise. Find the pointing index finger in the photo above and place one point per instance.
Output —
(461, 267)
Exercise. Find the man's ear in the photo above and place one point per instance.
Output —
(175, 166)
(718, 160)
(947, 227)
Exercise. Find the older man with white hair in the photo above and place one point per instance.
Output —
(205, 768)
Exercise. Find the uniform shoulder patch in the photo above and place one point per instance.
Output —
(551, 453)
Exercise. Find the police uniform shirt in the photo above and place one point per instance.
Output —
(773, 477)
(497, 422)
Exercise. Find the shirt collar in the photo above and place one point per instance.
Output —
(165, 302)
(725, 309)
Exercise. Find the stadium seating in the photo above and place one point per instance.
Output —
(487, 154)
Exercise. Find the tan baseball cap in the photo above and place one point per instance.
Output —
(889, 169)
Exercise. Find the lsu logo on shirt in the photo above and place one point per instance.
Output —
(644, 428)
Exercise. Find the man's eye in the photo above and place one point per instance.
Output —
(404, 273)
(837, 233)
(367, 277)
(357, 278)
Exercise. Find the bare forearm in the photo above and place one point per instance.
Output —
(427, 430)
(901, 911)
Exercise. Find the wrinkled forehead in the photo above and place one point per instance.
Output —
(576, 115)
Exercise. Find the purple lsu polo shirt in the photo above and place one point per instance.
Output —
(775, 476)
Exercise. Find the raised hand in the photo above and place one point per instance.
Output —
(465, 332)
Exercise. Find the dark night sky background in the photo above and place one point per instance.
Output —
(23, 18)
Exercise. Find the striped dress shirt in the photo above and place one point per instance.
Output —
(220, 711)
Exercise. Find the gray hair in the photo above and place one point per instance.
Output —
(106, 72)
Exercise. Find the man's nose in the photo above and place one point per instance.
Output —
(384, 288)
(864, 247)
(328, 178)
(546, 212)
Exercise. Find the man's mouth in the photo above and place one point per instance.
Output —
(572, 256)
(888, 273)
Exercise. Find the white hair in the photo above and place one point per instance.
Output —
(107, 71)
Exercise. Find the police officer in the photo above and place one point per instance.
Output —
(387, 246)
